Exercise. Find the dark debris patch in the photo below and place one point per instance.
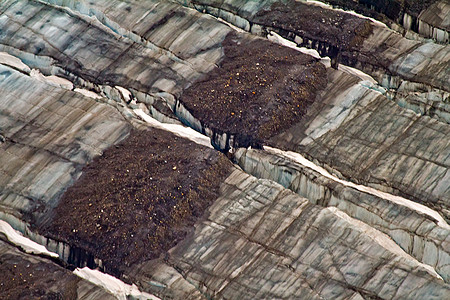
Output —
(34, 279)
(139, 198)
(413, 7)
(259, 89)
(393, 9)
(341, 30)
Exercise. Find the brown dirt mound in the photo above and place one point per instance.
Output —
(139, 198)
(259, 89)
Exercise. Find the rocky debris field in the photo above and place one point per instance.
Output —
(341, 30)
(25, 276)
(258, 90)
(428, 17)
(224, 150)
(139, 198)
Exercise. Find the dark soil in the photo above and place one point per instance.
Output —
(259, 89)
(380, 9)
(415, 7)
(341, 30)
(139, 198)
(23, 279)
(393, 9)
(337, 29)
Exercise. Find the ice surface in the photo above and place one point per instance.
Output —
(396, 199)
(382, 239)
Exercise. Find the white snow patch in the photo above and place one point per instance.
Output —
(177, 129)
(276, 38)
(116, 286)
(382, 239)
(126, 94)
(87, 93)
(318, 3)
(12, 61)
(26, 244)
(396, 199)
(361, 75)
(62, 83)
(51, 80)
(231, 25)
